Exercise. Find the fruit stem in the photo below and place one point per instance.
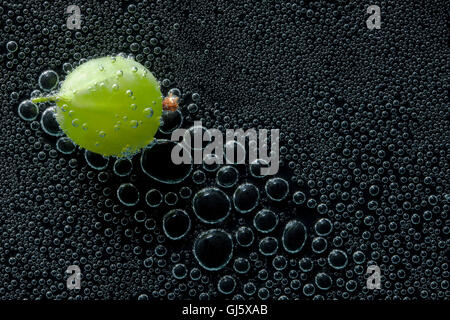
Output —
(44, 99)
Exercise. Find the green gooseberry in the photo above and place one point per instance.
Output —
(111, 106)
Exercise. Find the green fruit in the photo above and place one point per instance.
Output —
(111, 106)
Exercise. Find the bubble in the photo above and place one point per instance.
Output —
(255, 167)
(67, 67)
(322, 208)
(195, 274)
(153, 198)
(359, 257)
(277, 189)
(279, 263)
(319, 244)
(148, 262)
(226, 284)
(263, 274)
(156, 162)
(373, 190)
(148, 112)
(265, 221)
(211, 162)
(11, 46)
(268, 246)
(241, 265)
(295, 284)
(150, 224)
(351, 285)
(143, 297)
(211, 205)
(263, 293)
(213, 249)
(171, 198)
(195, 97)
(306, 264)
(432, 200)
(49, 123)
(176, 224)
(309, 289)
(123, 167)
(140, 216)
(128, 194)
(28, 111)
(179, 271)
(175, 91)
(294, 236)
(244, 236)
(95, 160)
(323, 281)
(323, 227)
(172, 121)
(246, 197)
(185, 192)
(337, 259)
(311, 203)
(48, 80)
(160, 250)
(198, 177)
(227, 177)
(192, 108)
(65, 145)
(133, 124)
(299, 197)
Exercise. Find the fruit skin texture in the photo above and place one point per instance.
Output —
(110, 105)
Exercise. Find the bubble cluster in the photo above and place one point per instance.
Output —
(363, 178)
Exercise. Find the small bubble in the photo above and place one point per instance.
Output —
(49, 123)
(11, 46)
(65, 145)
(148, 112)
(128, 194)
(28, 110)
(48, 80)
(134, 124)
(75, 122)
